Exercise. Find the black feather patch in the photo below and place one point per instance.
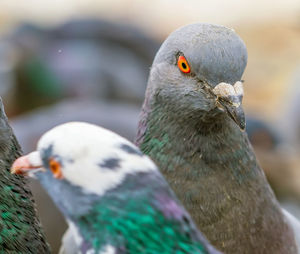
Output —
(111, 163)
(131, 150)
(47, 153)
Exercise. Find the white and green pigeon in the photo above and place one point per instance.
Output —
(113, 197)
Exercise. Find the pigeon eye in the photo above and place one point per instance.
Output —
(55, 168)
(183, 65)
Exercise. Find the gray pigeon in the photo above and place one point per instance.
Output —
(192, 125)
(113, 196)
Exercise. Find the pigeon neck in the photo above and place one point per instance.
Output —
(202, 143)
(143, 204)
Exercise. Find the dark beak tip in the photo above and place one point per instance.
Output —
(235, 112)
(243, 127)
(239, 119)
(238, 116)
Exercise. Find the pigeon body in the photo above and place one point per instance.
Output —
(190, 126)
(20, 229)
(113, 196)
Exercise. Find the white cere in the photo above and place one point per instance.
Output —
(224, 89)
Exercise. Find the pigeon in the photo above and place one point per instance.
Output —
(262, 134)
(30, 126)
(192, 126)
(114, 198)
(77, 59)
(20, 229)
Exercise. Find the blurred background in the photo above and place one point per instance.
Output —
(89, 60)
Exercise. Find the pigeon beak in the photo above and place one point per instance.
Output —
(229, 99)
(235, 111)
(30, 163)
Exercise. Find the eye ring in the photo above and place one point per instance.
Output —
(183, 65)
(55, 168)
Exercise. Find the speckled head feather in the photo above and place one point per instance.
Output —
(191, 126)
(93, 158)
(112, 195)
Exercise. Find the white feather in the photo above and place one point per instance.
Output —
(84, 147)
(108, 249)
(70, 243)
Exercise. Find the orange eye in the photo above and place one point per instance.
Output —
(183, 64)
(55, 167)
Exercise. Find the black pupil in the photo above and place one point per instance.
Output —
(183, 65)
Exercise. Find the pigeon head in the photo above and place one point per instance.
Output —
(198, 69)
(85, 156)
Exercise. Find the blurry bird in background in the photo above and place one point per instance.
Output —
(279, 161)
(289, 122)
(85, 59)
